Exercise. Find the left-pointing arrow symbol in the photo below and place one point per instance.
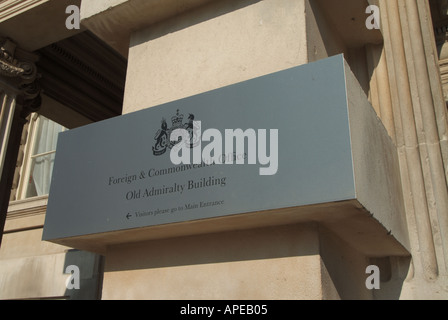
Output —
(129, 216)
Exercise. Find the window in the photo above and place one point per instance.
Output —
(39, 157)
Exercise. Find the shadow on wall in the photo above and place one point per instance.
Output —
(90, 274)
(205, 13)
(234, 246)
(347, 269)
(342, 274)
(333, 33)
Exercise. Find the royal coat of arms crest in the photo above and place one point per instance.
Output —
(163, 135)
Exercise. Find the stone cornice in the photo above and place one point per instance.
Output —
(84, 74)
(11, 8)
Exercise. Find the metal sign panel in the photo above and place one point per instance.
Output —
(118, 174)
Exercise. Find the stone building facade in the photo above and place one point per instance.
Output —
(129, 55)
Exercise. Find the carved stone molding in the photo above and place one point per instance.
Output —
(9, 67)
(20, 70)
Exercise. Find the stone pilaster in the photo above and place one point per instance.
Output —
(420, 127)
(20, 96)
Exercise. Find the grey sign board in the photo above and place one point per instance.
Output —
(117, 174)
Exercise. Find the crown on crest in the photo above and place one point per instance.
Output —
(177, 120)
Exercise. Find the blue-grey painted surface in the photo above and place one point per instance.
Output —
(101, 180)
